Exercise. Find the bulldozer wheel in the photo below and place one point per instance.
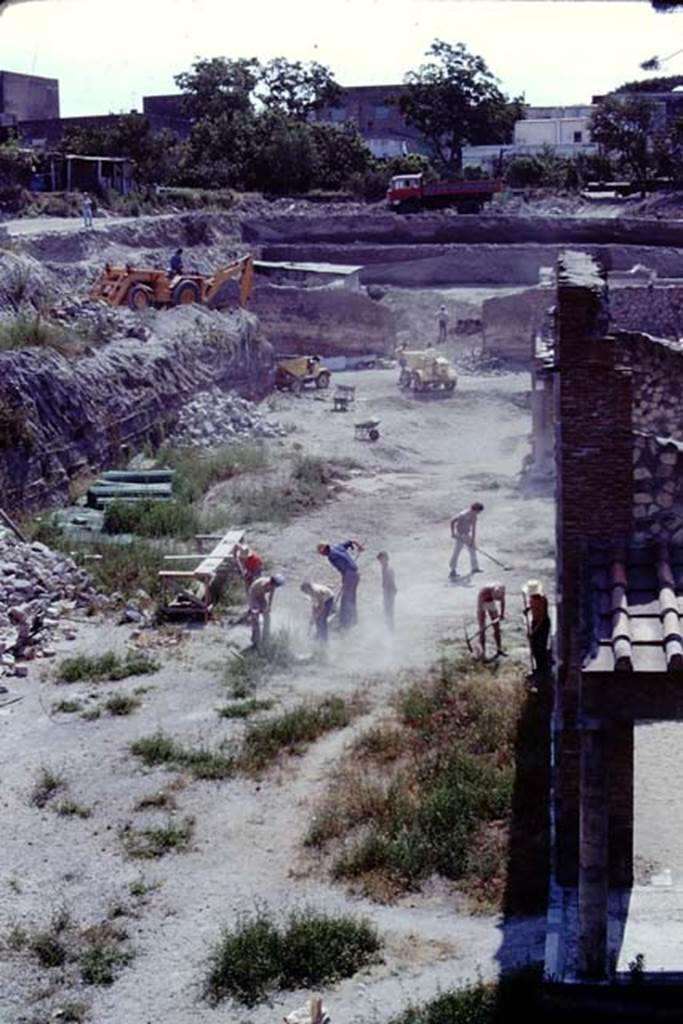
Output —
(297, 386)
(373, 434)
(322, 380)
(449, 385)
(185, 292)
(404, 379)
(416, 383)
(139, 297)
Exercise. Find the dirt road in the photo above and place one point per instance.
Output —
(433, 458)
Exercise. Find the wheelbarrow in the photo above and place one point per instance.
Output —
(368, 430)
(344, 394)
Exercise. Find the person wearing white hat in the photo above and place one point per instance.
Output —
(538, 627)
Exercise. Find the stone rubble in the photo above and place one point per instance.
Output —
(217, 417)
(37, 585)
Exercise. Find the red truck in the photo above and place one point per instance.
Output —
(410, 192)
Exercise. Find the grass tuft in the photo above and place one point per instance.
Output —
(290, 731)
(46, 786)
(108, 666)
(150, 843)
(70, 809)
(102, 961)
(245, 708)
(517, 996)
(160, 748)
(309, 949)
(121, 704)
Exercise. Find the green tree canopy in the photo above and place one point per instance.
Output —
(626, 127)
(219, 87)
(454, 100)
(295, 88)
(154, 153)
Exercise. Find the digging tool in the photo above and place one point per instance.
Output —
(507, 568)
(469, 639)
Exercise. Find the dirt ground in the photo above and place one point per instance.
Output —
(433, 458)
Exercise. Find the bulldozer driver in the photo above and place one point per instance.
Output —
(175, 267)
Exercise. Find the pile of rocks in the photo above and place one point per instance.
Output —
(217, 417)
(37, 585)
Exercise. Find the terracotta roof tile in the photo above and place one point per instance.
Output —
(633, 602)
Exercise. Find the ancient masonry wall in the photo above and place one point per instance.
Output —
(594, 454)
(658, 495)
(62, 419)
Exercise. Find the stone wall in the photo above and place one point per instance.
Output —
(61, 419)
(658, 496)
(657, 370)
(656, 309)
(330, 321)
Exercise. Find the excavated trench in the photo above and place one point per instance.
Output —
(61, 417)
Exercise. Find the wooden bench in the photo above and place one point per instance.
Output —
(188, 592)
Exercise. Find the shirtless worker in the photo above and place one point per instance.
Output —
(464, 533)
(261, 594)
(491, 602)
(322, 603)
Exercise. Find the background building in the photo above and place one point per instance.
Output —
(23, 97)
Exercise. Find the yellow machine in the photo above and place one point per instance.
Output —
(425, 370)
(295, 373)
(140, 288)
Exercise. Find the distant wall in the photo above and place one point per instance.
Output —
(329, 321)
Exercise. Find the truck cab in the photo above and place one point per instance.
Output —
(404, 190)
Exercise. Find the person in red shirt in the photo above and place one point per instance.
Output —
(249, 563)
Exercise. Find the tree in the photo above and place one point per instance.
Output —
(155, 154)
(218, 97)
(626, 126)
(218, 87)
(664, 83)
(454, 100)
(296, 89)
(16, 171)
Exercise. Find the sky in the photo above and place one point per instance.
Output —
(108, 54)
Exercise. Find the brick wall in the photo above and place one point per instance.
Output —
(594, 456)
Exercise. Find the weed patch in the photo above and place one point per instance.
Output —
(151, 519)
(516, 996)
(245, 708)
(195, 475)
(70, 809)
(434, 791)
(107, 666)
(46, 786)
(308, 949)
(151, 843)
(244, 672)
(67, 707)
(202, 762)
(309, 485)
(289, 732)
(102, 961)
(156, 800)
(122, 704)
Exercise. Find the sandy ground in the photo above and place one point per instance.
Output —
(433, 458)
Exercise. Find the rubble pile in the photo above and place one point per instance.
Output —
(217, 417)
(100, 320)
(37, 585)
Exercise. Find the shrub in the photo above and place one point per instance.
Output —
(150, 518)
(101, 962)
(204, 763)
(515, 996)
(310, 949)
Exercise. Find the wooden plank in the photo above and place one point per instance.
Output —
(168, 574)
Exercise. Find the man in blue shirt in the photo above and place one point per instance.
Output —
(176, 265)
(339, 555)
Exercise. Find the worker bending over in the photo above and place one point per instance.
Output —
(339, 555)
(491, 602)
(261, 594)
(464, 533)
(322, 603)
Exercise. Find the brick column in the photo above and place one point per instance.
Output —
(593, 455)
